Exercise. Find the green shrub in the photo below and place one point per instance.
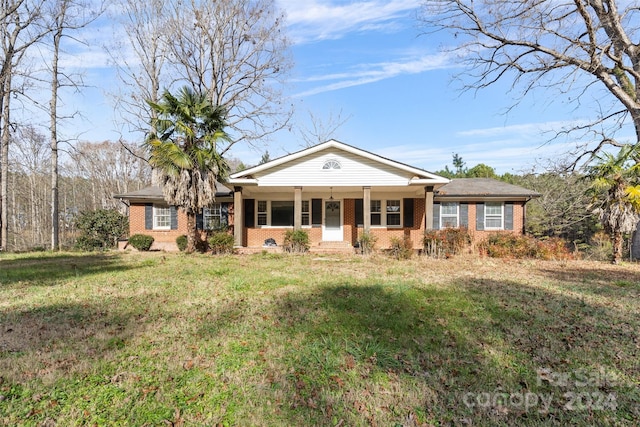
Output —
(181, 242)
(100, 229)
(446, 242)
(401, 248)
(367, 243)
(221, 242)
(296, 241)
(509, 245)
(141, 242)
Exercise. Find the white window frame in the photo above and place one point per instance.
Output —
(266, 214)
(262, 213)
(306, 213)
(161, 213)
(448, 215)
(390, 210)
(331, 164)
(209, 214)
(375, 208)
(384, 212)
(488, 216)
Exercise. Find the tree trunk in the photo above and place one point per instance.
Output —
(635, 243)
(191, 232)
(617, 248)
(53, 112)
(4, 165)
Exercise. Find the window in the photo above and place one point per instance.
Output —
(282, 213)
(393, 213)
(262, 212)
(305, 212)
(331, 164)
(376, 212)
(448, 215)
(212, 217)
(493, 215)
(390, 216)
(161, 218)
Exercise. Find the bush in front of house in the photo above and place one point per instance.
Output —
(100, 229)
(221, 242)
(508, 245)
(446, 242)
(401, 248)
(296, 241)
(367, 243)
(181, 242)
(141, 242)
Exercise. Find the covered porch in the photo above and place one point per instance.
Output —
(335, 217)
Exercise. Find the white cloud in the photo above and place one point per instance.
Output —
(313, 20)
(370, 73)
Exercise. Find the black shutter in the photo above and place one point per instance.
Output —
(436, 216)
(480, 216)
(148, 216)
(407, 213)
(464, 215)
(316, 212)
(224, 215)
(174, 217)
(508, 216)
(200, 220)
(249, 213)
(359, 212)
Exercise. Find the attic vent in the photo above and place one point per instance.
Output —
(331, 164)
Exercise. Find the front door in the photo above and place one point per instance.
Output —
(332, 227)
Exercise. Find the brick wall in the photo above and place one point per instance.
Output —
(255, 237)
(163, 239)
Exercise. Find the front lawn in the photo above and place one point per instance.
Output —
(155, 339)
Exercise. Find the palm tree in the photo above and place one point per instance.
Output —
(616, 193)
(183, 150)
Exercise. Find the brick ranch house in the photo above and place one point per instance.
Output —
(336, 192)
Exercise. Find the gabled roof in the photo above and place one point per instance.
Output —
(483, 187)
(421, 175)
(154, 193)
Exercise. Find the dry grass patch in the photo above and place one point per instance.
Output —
(151, 339)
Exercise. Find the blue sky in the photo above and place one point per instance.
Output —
(366, 60)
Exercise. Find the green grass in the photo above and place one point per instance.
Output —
(154, 339)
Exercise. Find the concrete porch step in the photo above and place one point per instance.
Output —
(336, 244)
(332, 248)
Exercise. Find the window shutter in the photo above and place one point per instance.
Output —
(200, 220)
(316, 212)
(174, 217)
(436, 216)
(224, 215)
(148, 216)
(407, 213)
(480, 216)
(508, 216)
(249, 213)
(359, 212)
(464, 215)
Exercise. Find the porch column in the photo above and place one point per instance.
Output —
(428, 206)
(366, 209)
(297, 208)
(238, 216)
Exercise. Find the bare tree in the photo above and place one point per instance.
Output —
(67, 16)
(571, 46)
(109, 169)
(29, 166)
(319, 130)
(140, 59)
(20, 29)
(234, 51)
